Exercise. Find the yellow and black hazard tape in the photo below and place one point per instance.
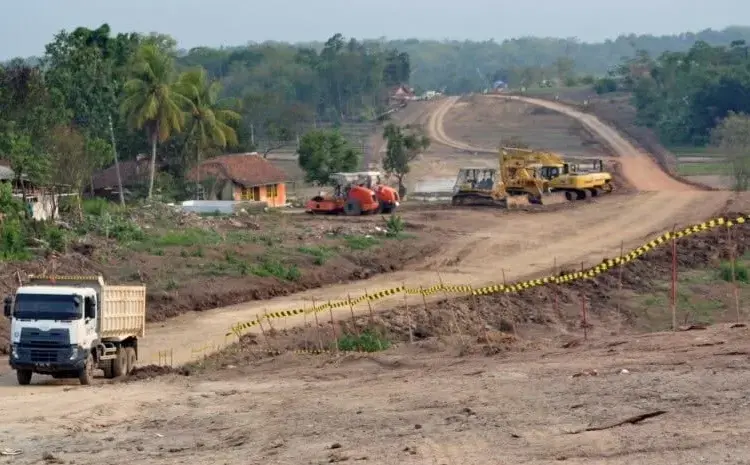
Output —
(604, 266)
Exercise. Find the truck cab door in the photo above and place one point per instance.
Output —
(91, 314)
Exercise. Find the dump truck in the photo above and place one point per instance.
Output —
(354, 194)
(69, 326)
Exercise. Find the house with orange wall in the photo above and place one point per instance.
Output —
(241, 177)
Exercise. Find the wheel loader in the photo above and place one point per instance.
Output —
(355, 194)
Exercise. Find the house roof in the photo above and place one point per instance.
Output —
(245, 169)
(133, 172)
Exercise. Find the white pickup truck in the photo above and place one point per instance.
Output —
(68, 326)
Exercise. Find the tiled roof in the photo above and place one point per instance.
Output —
(245, 169)
(133, 172)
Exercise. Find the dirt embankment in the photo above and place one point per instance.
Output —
(617, 112)
(518, 322)
(312, 252)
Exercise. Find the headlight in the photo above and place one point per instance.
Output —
(74, 353)
(14, 350)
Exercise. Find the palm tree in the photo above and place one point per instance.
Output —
(209, 119)
(151, 100)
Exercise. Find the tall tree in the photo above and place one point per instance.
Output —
(209, 122)
(732, 136)
(324, 152)
(151, 102)
(403, 146)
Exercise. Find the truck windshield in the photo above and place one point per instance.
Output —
(46, 307)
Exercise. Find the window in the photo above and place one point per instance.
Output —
(250, 193)
(272, 191)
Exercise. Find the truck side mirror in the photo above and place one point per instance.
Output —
(8, 306)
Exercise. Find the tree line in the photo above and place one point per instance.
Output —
(95, 94)
(685, 95)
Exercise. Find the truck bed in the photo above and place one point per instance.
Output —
(123, 312)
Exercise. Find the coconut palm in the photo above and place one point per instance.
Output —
(208, 118)
(151, 101)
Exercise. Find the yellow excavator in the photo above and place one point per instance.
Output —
(575, 180)
(533, 176)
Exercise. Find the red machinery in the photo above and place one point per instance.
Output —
(355, 194)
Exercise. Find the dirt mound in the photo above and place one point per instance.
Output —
(152, 371)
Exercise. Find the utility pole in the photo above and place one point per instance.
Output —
(117, 162)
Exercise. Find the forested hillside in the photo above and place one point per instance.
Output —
(466, 66)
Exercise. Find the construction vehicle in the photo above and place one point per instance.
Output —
(355, 194)
(69, 326)
(574, 180)
(539, 177)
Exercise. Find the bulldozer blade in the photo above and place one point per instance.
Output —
(554, 198)
(517, 201)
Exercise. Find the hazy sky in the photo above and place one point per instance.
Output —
(27, 25)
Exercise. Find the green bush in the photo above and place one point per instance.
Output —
(13, 243)
(605, 85)
(272, 267)
(394, 226)
(368, 341)
(360, 242)
(740, 272)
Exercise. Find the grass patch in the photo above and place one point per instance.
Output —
(367, 341)
(190, 237)
(320, 253)
(741, 274)
(274, 267)
(704, 169)
(361, 242)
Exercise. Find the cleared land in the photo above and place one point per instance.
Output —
(499, 373)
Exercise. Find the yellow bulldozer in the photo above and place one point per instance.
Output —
(530, 176)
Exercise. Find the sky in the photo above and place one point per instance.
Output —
(27, 25)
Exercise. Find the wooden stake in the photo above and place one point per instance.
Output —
(317, 327)
(263, 331)
(453, 310)
(620, 269)
(556, 305)
(369, 307)
(674, 281)
(733, 264)
(408, 315)
(351, 309)
(424, 302)
(270, 325)
(442, 286)
(504, 282)
(475, 309)
(333, 326)
(583, 311)
(304, 314)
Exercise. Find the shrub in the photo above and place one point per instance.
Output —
(368, 341)
(740, 272)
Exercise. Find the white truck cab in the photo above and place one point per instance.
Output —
(68, 326)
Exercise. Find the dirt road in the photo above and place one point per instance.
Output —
(638, 167)
(413, 406)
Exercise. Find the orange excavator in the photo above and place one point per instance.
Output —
(355, 194)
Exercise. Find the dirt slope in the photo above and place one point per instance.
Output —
(638, 167)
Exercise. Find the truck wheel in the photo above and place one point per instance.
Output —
(119, 363)
(131, 359)
(108, 369)
(86, 375)
(24, 377)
